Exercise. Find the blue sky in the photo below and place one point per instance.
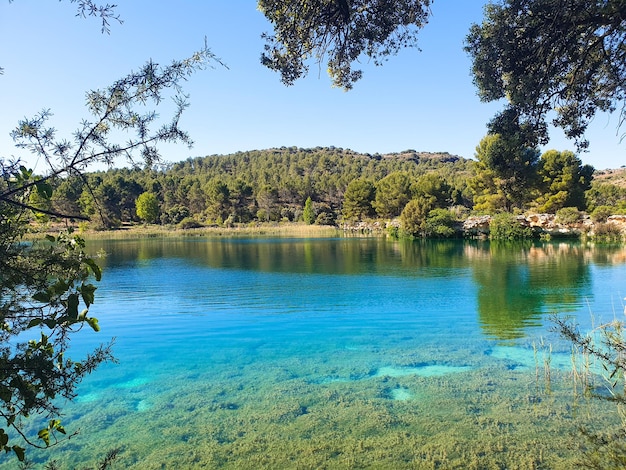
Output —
(418, 100)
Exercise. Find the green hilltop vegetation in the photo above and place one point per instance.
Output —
(428, 192)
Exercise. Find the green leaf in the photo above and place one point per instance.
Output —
(44, 435)
(44, 189)
(87, 292)
(51, 238)
(93, 323)
(72, 306)
(34, 322)
(97, 272)
(51, 323)
(20, 452)
(43, 297)
(4, 438)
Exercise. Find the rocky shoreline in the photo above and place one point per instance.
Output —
(541, 224)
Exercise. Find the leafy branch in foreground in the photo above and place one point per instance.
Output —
(106, 12)
(551, 58)
(46, 287)
(339, 30)
(606, 347)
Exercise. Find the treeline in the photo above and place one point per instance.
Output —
(328, 186)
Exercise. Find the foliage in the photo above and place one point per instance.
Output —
(607, 233)
(188, 222)
(548, 57)
(175, 215)
(413, 217)
(217, 197)
(606, 194)
(567, 215)
(45, 285)
(271, 185)
(432, 186)
(393, 192)
(106, 13)
(341, 30)
(308, 214)
(440, 223)
(45, 296)
(510, 165)
(505, 226)
(607, 346)
(601, 213)
(358, 198)
(563, 180)
(147, 207)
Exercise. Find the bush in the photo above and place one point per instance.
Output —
(567, 215)
(189, 222)
(262, 216)
(604, 232)
(505, 226)
(176, 214)
(413, 217)
(440, 224)
(601, 213)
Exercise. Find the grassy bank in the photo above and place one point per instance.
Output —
(158, 231)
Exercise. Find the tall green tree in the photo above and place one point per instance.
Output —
(563, 181)
(338, 32)
(147, 206)
(552, 57)
(308, 213)
(511, 165)
(434, 188)
(392, 194)
(218, 199)
(358, 198)
(413, 216)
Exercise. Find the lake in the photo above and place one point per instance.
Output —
(339, 353)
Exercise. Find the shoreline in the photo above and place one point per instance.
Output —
(473, 227)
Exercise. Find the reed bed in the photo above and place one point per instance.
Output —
(244, 230)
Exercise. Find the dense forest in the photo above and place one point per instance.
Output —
(334, 185)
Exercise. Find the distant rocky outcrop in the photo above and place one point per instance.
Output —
(541, 224)
(547, 224)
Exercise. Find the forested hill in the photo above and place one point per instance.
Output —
(328, 184)
(268, 184)
(321, 173)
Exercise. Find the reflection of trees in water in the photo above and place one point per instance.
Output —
(517, 283)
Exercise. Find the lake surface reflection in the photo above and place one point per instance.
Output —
(340, 353)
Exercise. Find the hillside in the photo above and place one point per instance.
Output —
(616, 177)
(274, 185)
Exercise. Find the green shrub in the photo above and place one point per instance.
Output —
(440, 224)
(262, 215)
(506, 226)
(325, 218)
(567, 215)
(601, 213)
(189, 222)
(413, 217)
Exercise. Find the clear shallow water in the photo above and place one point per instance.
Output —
(338, 353)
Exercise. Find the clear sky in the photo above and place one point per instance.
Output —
(418, 100)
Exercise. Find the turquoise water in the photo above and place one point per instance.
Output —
(338, 353)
